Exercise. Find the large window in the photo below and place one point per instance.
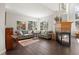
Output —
(21, 25)
(44, 25)
(32, 25)
(77, 17)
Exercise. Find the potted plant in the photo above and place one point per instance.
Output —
(58, 19)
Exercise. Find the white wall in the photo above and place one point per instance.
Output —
(12, 17)
(2, 28)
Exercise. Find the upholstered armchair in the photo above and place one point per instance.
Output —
(45, 34)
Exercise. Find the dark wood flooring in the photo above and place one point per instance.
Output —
(46, 47)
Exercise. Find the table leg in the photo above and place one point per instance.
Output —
(69, 39)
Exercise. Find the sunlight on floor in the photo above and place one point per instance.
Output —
(78, 40)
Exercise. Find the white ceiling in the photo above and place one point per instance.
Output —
(34, 9)
(52, 6)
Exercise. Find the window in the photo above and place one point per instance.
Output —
(44, 25)
(77, 17)
(32, 25)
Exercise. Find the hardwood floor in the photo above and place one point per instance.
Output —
(46, 47)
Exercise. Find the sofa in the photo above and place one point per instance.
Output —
(24, 34)
(45, 34)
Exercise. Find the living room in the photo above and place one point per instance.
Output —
(36, 23)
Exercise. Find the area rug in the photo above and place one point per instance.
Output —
(27, 42)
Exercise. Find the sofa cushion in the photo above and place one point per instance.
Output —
(43, 32)
(18, 32)
(29, 32)
(25, 32)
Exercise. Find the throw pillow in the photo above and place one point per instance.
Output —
(25, 32)
(29, 32)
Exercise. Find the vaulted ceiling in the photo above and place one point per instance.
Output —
(37, 10)
(34, 9)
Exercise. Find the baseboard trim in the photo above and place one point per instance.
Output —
(3, 51)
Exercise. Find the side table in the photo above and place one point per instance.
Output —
(77, 34)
